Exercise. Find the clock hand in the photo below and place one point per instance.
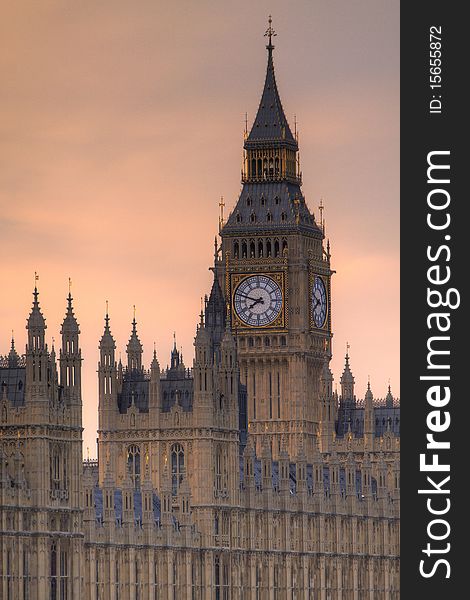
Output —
(260, 300)
(248, 297)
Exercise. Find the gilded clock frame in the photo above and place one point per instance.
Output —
(279, 323)
(326, 282)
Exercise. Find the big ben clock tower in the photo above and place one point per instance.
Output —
(275, 273)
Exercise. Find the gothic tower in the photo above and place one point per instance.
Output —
(41, 463)
(275, 273)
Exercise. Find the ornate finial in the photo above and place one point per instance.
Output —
(246, 124)
(70, 286)
(221, 217)
(347, 348)
(174, 340)
(134, 311)
(35, 293)
(106, 317)
(270, 33)
(201, 316)
(321, 208)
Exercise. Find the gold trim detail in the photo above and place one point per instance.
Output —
(326, 282)
(279, 324)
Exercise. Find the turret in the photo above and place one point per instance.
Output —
(154, 388)
(327, 407)
(369, 419)
(134, 349)
(70, 357)
(229, 376)
(215, 312)
(36, 326)
(36, 354)
(203, 373)
(107, 377)
(347, 381)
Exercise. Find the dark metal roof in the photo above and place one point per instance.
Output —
(277, 206)
(350, 416)
(12, 380)
(135, 390)
(270, 124)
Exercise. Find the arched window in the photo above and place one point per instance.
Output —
(239, 218)
(269, 217)
(218, 469)
(64, 574)
(55, 469)
(260, 248)
(271, 167)
(133, 464)
(276, 166)
(268, 247)
(252, 249)
(253, 167)
(284, 245)
(177, 467)
(283, 216)
(276, 247)
(236, 249)
(260, 169)
(53, 572)
(253, 217)
(244, 249)
(265, 168)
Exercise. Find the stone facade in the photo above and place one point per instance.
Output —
(244, 477)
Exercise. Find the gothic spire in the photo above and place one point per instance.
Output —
(389, 398)
(347, 379)
(134, 348)
(69, 325)
(107, 340)
(13, 357)
(270, 124)
(36, 324)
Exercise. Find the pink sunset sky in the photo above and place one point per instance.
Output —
(122, 125)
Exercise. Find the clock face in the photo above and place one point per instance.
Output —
(319, 302)
(258, 300)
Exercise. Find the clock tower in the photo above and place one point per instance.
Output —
(275, 273)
